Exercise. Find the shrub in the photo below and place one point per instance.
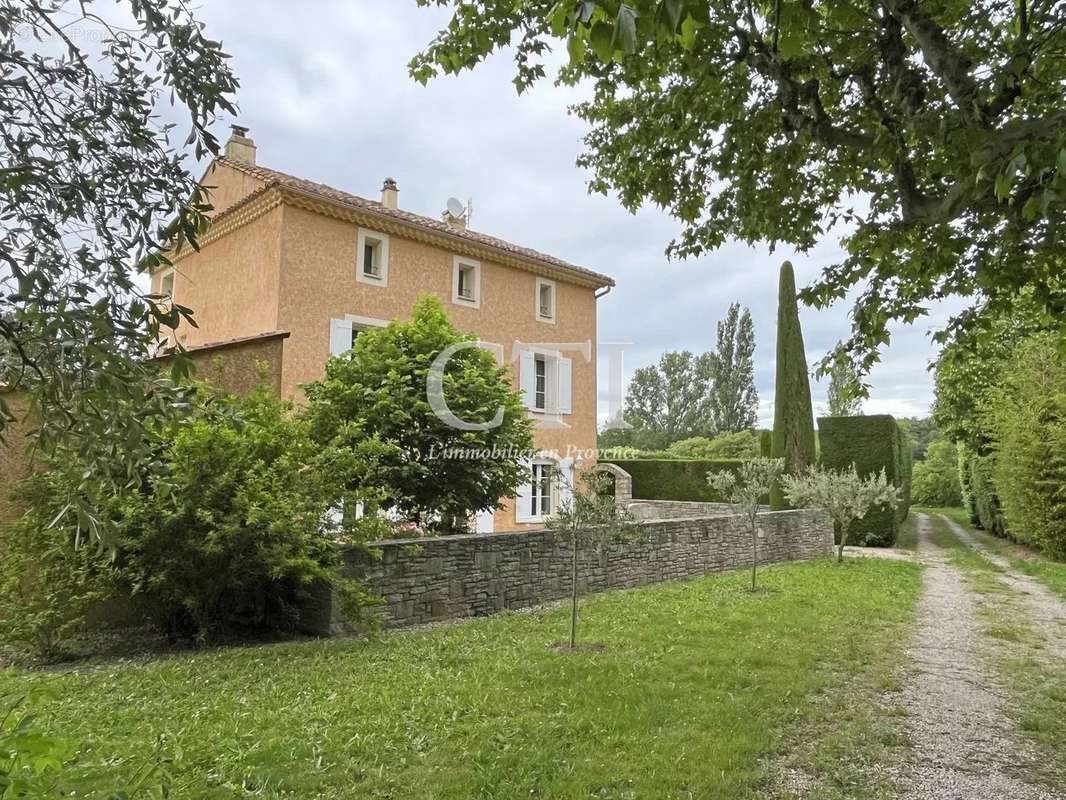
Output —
(793, 435)
(871, 443)
(381, 388)
(986, 506)
(676, 479)
(742, 444)
(233, 525)
(48, 583)
(936, 478)
(1026, 414)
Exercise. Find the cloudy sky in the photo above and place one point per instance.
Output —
(327, 97)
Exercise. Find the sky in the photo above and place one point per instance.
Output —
(327, 96)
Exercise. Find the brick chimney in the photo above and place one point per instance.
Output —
(240, 147)
(390, 194)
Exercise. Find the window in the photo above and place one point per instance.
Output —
(343, 332)
(540, 383)
(546, 380)
(372, 258)
(166, 285)
(466, 282)
(541, 504)
(545, 300)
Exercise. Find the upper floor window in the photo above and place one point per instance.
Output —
(540, 383)
(545, 300)
(546, 380)
(466, 282)
(373, 257)
(166, 285)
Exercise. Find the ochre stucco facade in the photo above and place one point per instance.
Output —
(281, 255)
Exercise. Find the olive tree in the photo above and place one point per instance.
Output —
(747, 489)
(103, 111)
(843, 495)
(589, 515)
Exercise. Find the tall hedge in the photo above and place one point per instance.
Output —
(871, 443)
(793, 435)
(675, 479)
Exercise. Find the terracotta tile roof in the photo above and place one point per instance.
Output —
(170, 350)
(273, 177)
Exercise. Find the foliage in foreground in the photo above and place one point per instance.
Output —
(746, 488)
(761, 122)
(489, 708)
(842, 494)
(381, 388)
(92, 191)
(234, 525)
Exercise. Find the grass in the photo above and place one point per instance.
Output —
(701, 688)
(1036, 682)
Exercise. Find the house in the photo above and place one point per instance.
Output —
(286, 254)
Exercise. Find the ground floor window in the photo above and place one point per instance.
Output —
(541, 497)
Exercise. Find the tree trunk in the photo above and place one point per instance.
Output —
(754, 552)
(573, 596)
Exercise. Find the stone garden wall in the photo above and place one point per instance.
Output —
(424, 580)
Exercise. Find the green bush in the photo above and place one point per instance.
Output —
(742, 444)
(871, 443)
(234, 525)
(936, 477)
(1026, 413)
(986, 506)
(965, 468)
(676, 479)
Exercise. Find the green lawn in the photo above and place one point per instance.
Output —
(697, 684)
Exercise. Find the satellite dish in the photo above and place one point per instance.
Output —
(455, 208)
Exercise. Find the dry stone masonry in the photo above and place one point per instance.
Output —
(425, 580)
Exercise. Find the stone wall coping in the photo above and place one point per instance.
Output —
(517, 535)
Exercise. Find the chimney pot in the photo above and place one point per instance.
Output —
(240, 146)
(390, 194)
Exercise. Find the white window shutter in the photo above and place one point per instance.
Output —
(485, 521)
(524, 495)
(566, 481)
(566, 371)
(525, 377)
(340, 336)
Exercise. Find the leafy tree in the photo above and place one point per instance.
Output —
(92, 190)
(734, 400)
(589, 516)
(793, 436)
(762, 122)
(845, 388)
(436, 473)
(922, 432)
(936, 478)
(670, 400)
(843, 495)
(746, 489)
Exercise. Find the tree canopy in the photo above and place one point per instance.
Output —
(734, 400)
(929, 136)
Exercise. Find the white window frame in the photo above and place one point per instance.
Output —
(555, 301)
(540, 382)
(558, 379)
(381, 243)
(458, 265)
(537, 510)
(170, 273)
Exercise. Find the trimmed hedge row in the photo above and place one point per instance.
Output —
(871, 443)
(675, 479)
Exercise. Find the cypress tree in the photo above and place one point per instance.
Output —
(793, 438)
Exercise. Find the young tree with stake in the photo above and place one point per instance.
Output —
(746, 489)
(590, 515)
